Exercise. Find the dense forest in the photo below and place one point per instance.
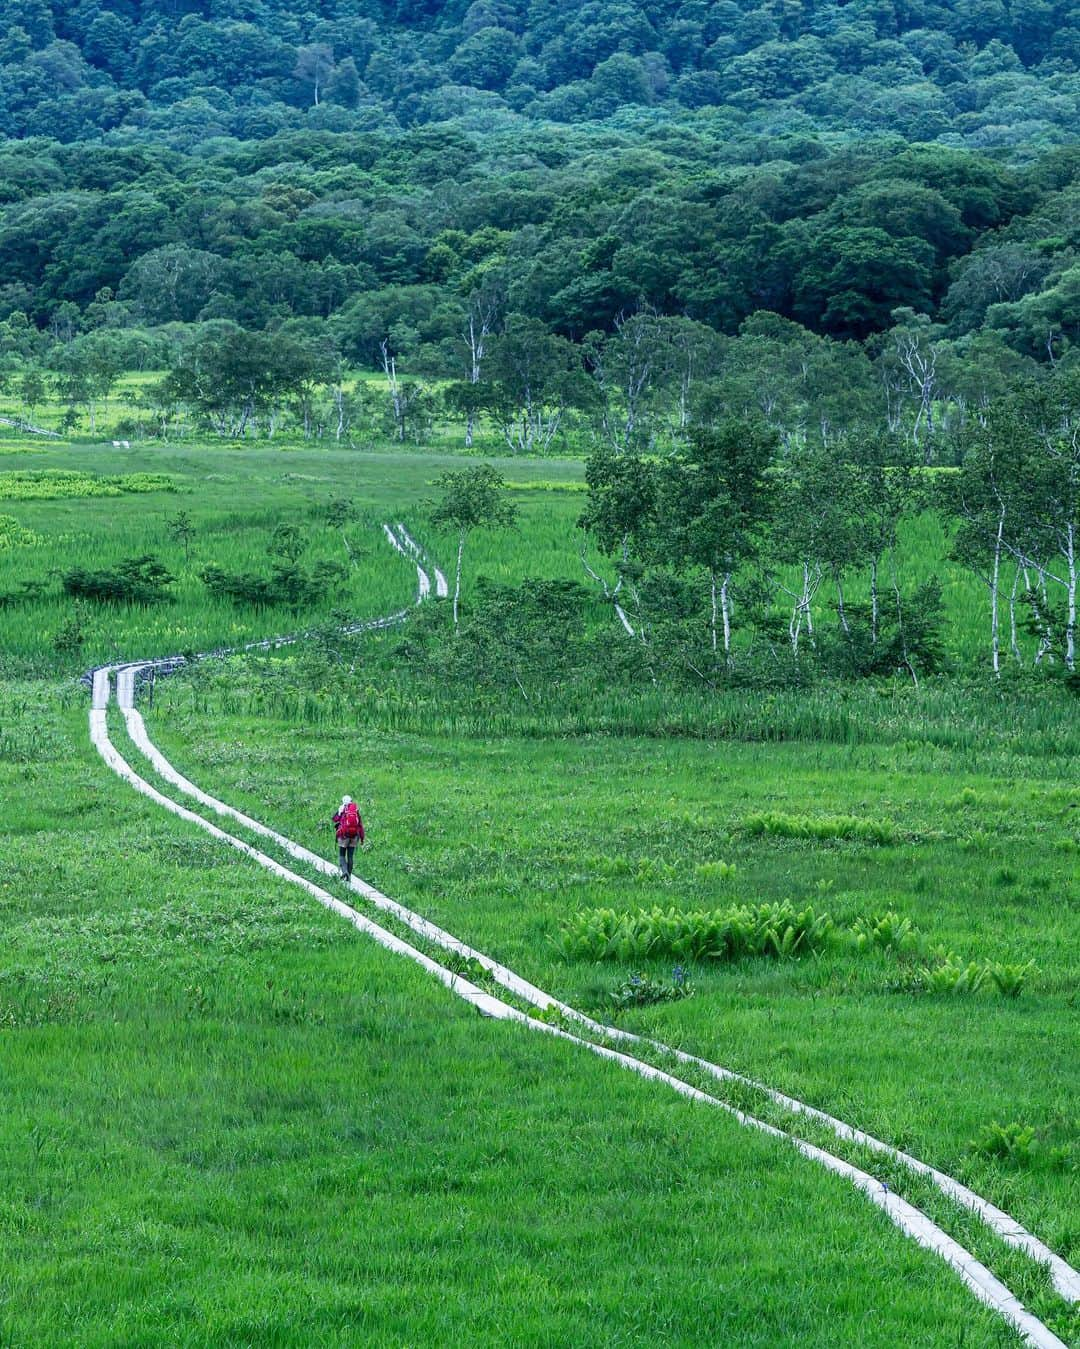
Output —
(821, 214)
(975, 72)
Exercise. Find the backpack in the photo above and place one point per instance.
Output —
(349, 824)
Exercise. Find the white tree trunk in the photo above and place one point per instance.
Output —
(1014, 643)
(995, 582)
(1070, 622)
(840, 605)
(457, 575)
(809, 590)
(390, 370)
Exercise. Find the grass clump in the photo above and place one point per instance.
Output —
(953, 977)
(777, 824)
(717, 934)
(715, 871)
(1013, 1143)
(1009, 979)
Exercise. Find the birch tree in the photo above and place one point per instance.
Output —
(985, 498)
(620, 516)
(486, 305)
(1017, 500)
(910, 364)
(1048, 493)
(628, 364)
(535, 379)
(472, 498)
(716, 496)
(815, 530)
(883, 492)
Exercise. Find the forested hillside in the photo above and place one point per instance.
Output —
(981, 72)
(820, 214)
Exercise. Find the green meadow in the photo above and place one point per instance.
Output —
(230, 1119)
(236, 495)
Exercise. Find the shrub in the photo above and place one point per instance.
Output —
(136, 580)
(1009, 980)
(952, 976)
(70, 637)
(13, 535)
(28, 592)
(288, 583)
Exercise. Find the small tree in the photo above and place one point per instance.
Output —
(181, 529)
(472, 499)
(620, 516)
(32, 391)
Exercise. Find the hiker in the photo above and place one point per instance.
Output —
(350, 832)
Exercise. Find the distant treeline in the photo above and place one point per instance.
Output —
(899, 285)
(980, 72)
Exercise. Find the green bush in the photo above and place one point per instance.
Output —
(13, 535)
(287, 584)
(952, 976)
(136, 580)
(1009, 980)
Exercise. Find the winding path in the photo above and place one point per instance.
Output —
(986, 1287)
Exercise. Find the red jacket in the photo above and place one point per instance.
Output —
(342, 834)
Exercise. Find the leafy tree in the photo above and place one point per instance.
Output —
(32, 390)
(534, 379)
(232, 378)
(716, 497)
(854, 277)
(997, 274)
(314, 65)
(472, 498)
(990, 489)
(621, 517)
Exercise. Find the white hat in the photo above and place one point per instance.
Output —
(345, 801)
